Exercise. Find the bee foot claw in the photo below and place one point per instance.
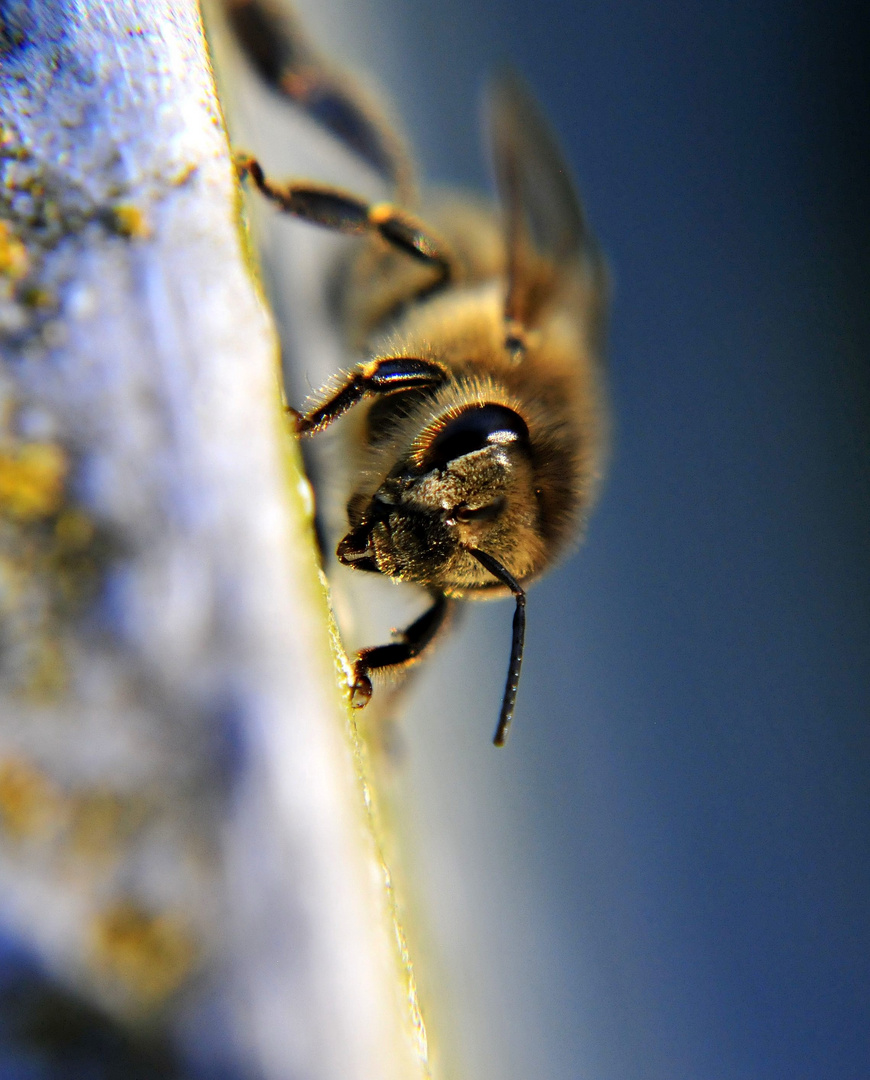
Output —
(361, 690)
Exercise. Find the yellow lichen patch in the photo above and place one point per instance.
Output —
(74, 558)
(100, 822)
(74, 530)
(145, 955)
(14, 262)
(37, 296)
(48, 673)
(52, 555)
(184, 174)
(32, 478)
(129, 220)
(31, 808)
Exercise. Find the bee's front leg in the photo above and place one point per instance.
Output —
(399, 654)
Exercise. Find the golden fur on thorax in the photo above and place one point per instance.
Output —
(556, 388)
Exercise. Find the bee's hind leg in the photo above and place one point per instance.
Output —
(280, 53)
(333, 208)
(285, 61)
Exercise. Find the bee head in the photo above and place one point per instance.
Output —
(468, 483)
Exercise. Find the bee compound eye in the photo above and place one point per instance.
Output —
(475, 428)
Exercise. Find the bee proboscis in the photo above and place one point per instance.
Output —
(480, 395)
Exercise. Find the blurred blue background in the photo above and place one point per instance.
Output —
(666, 874)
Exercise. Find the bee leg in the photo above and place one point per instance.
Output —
(401, 653)
(383, 375)
(335, 209)
(279, 52)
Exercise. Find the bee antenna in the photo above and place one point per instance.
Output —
(519, 634)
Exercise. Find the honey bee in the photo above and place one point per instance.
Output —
(479, 399)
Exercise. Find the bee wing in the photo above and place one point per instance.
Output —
(544, 218)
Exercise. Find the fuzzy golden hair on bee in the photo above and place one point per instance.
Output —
(476, 419)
